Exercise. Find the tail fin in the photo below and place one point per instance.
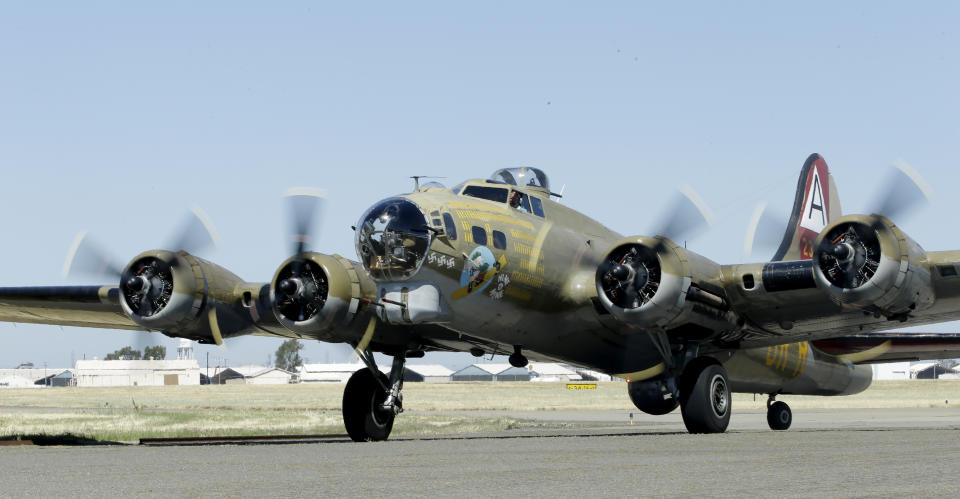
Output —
(815, 206)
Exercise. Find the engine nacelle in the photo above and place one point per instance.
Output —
(644, 281)
(655, 397)
(172, 292)
(867, 261)
(317, 293)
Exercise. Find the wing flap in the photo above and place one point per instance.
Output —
(876, 348)
(81, 306)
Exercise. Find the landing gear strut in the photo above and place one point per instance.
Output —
(371, 400)
(705, 398)
(779, 415)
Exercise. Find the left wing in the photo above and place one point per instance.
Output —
(82, 306)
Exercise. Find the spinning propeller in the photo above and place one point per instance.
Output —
(147, 288)
(849, 254)
(302, 286)
(902, 192)
(630, 275)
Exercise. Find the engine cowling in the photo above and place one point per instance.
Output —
(644, 281)
(867, 261)
(655, 397)
(315, 293)
(172, 292)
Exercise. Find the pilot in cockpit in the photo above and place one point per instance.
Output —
(515, 200)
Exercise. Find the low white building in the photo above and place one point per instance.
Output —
(590, 375)
(427, 373)
(491, 372)
(137, 372)
(257, 375)
(10, 381)
(32, 374)
(891, 371)
(340, 373)
(328, 373)
(552, 371)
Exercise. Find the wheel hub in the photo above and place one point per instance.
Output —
(718, 395)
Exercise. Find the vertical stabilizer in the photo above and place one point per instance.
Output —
(814, 207)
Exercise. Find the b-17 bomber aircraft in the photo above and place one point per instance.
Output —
(496, 266)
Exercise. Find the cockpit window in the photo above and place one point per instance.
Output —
(393, 239)
(520, 201)
(537, 206)
(523, 176)
(496, 194)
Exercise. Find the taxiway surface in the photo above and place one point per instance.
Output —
(851, 452)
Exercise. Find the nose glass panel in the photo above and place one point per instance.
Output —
(392, 239)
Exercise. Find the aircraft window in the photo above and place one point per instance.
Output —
(479, 235)
(450, 226)
(520, 201)
(456, 189)
(522, 176)
(495, 194)
(499, 240)
(537, 206)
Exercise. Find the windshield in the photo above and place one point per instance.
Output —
(496, 194)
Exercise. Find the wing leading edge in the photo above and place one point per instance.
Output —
(81, 306)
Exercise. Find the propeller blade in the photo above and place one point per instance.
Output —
(367, 336)
(87, 257)
(764, 232)
(904, 191)
(215, 326)
(688, 215)
(342, 353)
(303, 203)
(142, 340)
(195, 234)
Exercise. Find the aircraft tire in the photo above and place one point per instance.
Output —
(706, 404)
(779, 416)
(363, 419)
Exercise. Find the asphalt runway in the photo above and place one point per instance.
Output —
(843, 452)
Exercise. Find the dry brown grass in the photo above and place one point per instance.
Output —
(128, 413)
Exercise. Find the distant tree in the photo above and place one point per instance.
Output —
(157, 352)
(125, 353)
(288, 355)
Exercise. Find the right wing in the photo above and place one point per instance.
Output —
(81, 306)
(875, 348)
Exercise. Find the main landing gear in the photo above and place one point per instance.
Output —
(779, 415)
(371, 400)
(705, 398)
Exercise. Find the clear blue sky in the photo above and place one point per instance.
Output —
(116, 118)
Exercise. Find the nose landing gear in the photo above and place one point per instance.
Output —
(371, 401)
